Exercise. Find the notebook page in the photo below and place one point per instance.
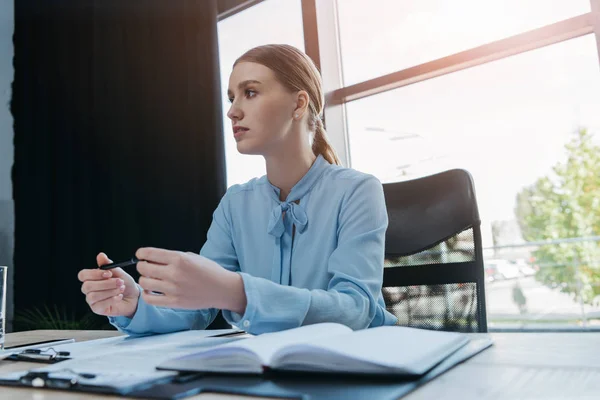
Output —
(265, 345)
(393, 348)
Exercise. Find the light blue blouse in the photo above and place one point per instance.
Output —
(329, 270)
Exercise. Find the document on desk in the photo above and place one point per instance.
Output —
(139, 353)
(184, 341)
(125, 361)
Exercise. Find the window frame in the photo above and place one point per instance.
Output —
(320, 39)
(322, 45)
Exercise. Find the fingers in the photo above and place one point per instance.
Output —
(151, 270)
(158, 256)
(157, 300)
(102, 259)
(118, 273)
(95, 297)
(95, 286)
(107, 307)
(155, 285)
(96, 274)
(93, 275)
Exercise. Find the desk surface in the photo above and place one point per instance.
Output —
(518, 366)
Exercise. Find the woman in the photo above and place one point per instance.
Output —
(303, 244)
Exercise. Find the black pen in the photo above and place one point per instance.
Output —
(234, 333)
(121, 264)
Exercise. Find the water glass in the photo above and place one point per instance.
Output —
(3, 284)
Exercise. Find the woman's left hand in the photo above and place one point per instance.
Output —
(188, 281)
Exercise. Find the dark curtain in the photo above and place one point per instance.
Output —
(118, 138)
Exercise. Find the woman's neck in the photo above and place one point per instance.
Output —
(285, 171)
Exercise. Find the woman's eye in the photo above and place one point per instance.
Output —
(231, 99)
(250, 93)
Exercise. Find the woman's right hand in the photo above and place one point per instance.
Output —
(112, 292)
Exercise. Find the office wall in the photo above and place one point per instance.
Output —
(6, 145)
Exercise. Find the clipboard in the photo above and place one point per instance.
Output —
(73, 381)
(36, 345)
(41, 352)
(45, 356)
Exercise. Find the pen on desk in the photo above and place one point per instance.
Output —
(121, 264)
(234, 333)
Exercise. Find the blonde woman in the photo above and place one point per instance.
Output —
(303, 244)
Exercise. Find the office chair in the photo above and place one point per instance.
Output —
(433, 276)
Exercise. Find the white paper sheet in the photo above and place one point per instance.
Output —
(124, 360)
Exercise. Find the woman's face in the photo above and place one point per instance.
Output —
(261, 111)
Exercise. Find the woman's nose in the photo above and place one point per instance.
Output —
(234, 113)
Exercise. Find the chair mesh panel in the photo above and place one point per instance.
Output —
(449, 307)
(458, 248)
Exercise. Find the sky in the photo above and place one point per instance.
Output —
(506, 121)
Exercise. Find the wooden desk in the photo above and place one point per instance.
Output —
(518, 366)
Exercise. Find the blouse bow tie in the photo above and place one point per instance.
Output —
(297, 213)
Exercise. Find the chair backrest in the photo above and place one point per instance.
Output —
(434, 276)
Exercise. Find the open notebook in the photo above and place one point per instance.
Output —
(328, 347)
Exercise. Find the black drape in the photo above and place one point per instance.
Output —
(118, 138)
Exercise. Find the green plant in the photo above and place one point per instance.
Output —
(57, 318)
(566, 204)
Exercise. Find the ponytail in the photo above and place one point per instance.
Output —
(321, 145)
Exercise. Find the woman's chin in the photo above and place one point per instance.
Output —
(243, 147)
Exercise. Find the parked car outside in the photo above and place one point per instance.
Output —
(498, 269)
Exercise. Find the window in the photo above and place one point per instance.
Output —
(506, 122)
(534, 100)
(270, 21)
(390, 35)
(522, 107)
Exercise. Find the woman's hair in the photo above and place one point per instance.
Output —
(296, 71)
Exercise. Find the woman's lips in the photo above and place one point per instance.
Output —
(239, 132)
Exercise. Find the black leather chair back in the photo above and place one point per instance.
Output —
(434, 276)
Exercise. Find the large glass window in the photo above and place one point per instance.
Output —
(527, 128)
(382, 36)
(270, 21)
(508, 123)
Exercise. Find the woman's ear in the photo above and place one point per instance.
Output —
(302, 100)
